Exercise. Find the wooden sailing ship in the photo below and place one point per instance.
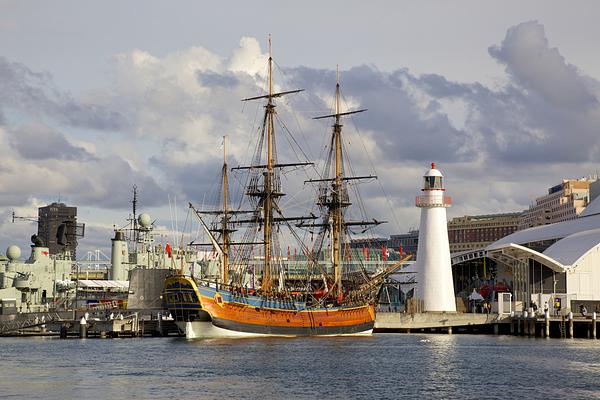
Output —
(324, 297)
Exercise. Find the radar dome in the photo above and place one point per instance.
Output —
(144, 220)
(13, 252)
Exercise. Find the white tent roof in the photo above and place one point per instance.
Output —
(103, 284)
(592, 208)
(571, 249)
(575, 238)
(558, 230)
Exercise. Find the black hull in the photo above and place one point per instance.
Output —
(292, 330)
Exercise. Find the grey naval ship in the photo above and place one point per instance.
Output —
(46, 284)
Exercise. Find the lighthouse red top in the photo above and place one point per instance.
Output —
(433, 179)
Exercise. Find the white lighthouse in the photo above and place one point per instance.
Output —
(434, 271)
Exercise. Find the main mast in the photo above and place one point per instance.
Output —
(269, 193)
(268, 190)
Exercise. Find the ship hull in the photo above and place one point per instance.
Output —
(207, 330)
(239, 315)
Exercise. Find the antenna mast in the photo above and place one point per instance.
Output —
(134, 206)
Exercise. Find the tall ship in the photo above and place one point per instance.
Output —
(253, 288)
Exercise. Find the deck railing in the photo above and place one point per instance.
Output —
(433, 201)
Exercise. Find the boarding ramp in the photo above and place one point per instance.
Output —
(30, 321)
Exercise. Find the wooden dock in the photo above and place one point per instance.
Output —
(562, 326)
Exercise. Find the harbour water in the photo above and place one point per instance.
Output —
(384, 366)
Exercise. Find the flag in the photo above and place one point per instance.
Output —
(384, 253)
(168, 250)
(401, 251)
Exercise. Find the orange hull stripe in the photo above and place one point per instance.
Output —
(250, 315)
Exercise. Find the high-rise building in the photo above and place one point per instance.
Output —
(472, 232)
(57, 227)
(563, 202)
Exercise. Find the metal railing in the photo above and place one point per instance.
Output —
(431, 201)
(32, 321)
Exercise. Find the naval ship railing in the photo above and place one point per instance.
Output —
(31, 322)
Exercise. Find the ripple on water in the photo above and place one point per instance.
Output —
(382, 366)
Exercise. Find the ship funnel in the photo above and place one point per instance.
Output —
(118, 253)
(38, 253)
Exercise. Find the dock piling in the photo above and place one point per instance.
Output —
(82, 328)
(571, 323)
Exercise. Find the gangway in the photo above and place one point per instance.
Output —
(30, 322)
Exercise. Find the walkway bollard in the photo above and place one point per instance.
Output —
(571, 323)
(82, 328)
(449, 330)
(594, 325)
(547, 323)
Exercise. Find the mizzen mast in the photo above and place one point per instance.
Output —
(338, 192)
(335, 199)
(224, 226)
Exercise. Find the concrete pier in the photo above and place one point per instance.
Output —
(533, 326)
(434, 321)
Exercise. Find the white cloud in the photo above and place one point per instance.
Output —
(498, 146)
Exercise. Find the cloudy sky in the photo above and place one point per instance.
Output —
(97, 97)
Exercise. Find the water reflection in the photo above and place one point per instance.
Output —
(381, 366)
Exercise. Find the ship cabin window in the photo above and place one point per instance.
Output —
(433, 182)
